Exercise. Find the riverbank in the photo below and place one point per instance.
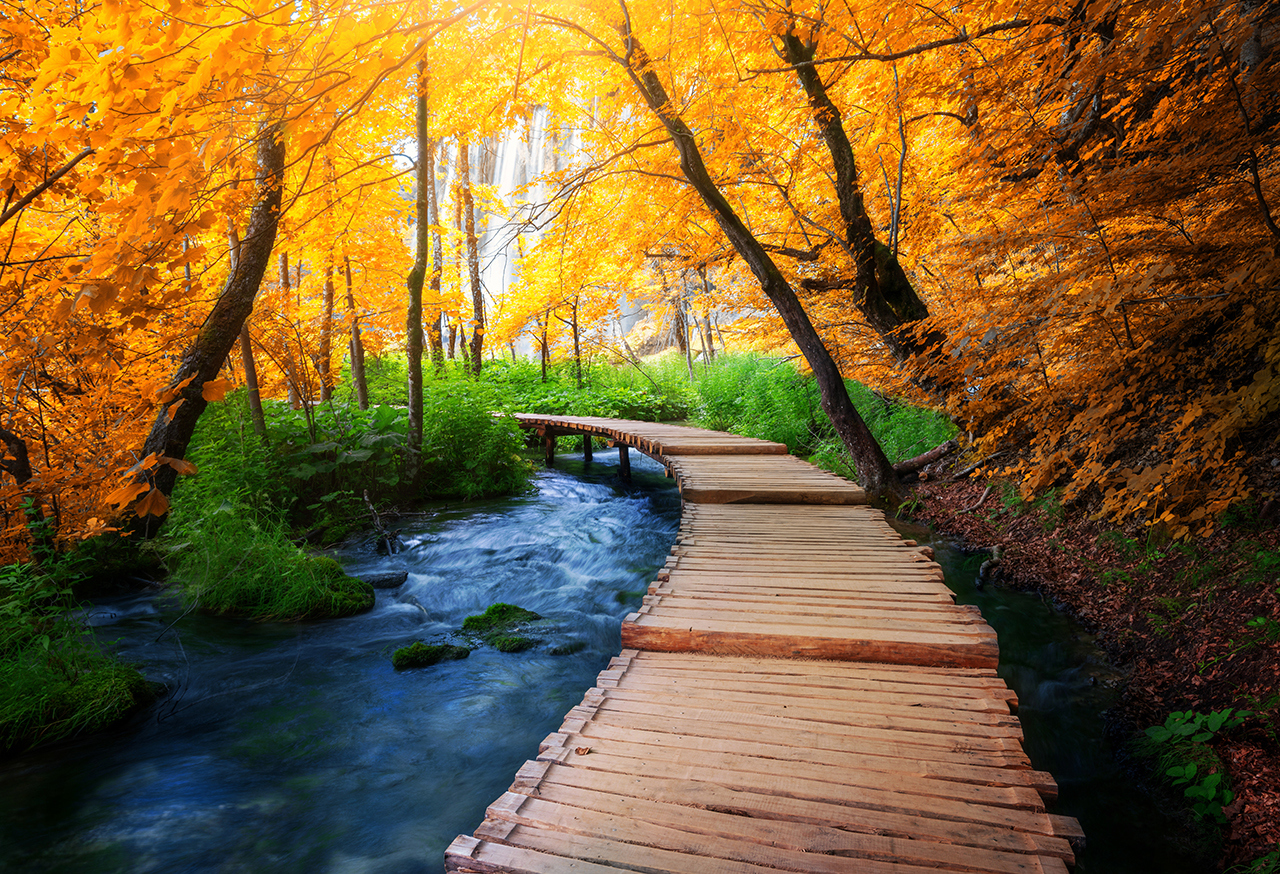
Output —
(1194, 626)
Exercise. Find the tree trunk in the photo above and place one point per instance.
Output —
(473, 255)
(324, 361)
(246, 346)
(357, 344)
(166, 444)
(883, 294)
(437, 262)
(413, 320)
(877, 475)
(577, 346)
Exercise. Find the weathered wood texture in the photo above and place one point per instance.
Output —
(719, 742)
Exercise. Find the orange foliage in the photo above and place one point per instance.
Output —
(1083, 195)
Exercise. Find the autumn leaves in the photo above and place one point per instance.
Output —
(1082, 207)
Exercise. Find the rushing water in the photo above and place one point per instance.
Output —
(297, 748)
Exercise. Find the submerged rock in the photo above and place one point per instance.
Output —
(386, 581)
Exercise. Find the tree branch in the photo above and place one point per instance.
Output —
(44, 186)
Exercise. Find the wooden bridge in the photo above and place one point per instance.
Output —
(798, 693)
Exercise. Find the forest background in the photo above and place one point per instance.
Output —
(1053, 222)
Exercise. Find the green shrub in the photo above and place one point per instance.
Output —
(1181, 751)
(468, 452)
(420, 655)
(234, 566)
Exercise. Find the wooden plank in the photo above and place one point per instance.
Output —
(866, 728)
(891, 714)
(696, 854)
(900, 800)
(900, 780)
(916, 747)
(875, 645)
(786, 750)
(785, 845)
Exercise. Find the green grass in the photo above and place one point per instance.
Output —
(234, 566)
(55, 682)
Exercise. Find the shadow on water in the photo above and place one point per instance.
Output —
(1064, 686)
(297, 748)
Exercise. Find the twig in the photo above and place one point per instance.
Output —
(980, 502)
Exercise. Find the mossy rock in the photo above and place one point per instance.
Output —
(573, 646)
(512, 643)
(498, 618)
(420, 655)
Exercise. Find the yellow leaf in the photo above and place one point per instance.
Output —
(126, 493)
(215, 390)
(181, 465)
(154, 504)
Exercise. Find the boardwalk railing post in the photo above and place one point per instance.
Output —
(624, 463)
(586, 448)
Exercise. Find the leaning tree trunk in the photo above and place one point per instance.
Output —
(166, 444)
(875, 471)
(883, 294)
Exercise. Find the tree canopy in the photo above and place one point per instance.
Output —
(1057, 223)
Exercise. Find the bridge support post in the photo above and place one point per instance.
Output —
(624, 463)
(586, 448)
(549, 449)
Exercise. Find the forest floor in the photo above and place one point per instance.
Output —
(1195, 626)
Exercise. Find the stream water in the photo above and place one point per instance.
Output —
(297, 748)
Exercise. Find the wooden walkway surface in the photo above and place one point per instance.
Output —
(798, 693)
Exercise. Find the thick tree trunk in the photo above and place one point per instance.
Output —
(473, 255)
(357, 344)
(874, 469)
(175, 422)
(413, 320)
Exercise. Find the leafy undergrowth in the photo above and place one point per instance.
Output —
(1195, 624)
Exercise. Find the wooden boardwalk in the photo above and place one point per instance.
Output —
(798, 693)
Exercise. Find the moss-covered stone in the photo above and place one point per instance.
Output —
(419, 655)
(573, 646)
(498, 618)
(512, 643)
